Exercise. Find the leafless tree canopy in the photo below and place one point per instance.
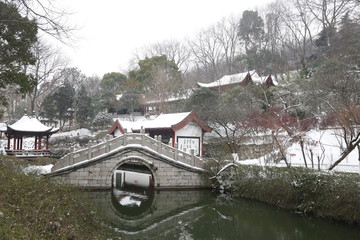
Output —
(50, 18)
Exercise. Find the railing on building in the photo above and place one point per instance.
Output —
(28, 153)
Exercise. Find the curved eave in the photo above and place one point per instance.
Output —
(54, 130)
(24, 132)
(191, 117)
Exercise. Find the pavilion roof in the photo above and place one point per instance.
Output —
(30, 124)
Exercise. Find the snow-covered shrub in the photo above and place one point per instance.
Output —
(102, 120)
(62, 145)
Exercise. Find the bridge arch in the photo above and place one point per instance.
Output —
(134, 159)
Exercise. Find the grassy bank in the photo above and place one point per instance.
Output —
(35, 207)
(335, 196)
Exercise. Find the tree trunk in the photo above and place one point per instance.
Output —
(280, 149)
(346, 152)
(303, 152)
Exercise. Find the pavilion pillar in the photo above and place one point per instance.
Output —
(35, 144)
(21, 143)
(14, 142)
(39, 143)
(18, 143)
(173, 139)
(8, 143)
(47, 142)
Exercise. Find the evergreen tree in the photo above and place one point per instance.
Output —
(56, 105)
(17, 35)
(84, 109)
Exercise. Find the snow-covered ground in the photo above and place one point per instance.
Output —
(77, 132)
(325, 145)
(38, 169)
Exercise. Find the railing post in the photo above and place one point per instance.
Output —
(192, 152)
(71, 156)
(90, 150)
(125, 137)
(142, 131)
(107, 146)
(176, 152)
(159, 144)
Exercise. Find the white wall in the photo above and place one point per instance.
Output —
(117, 132)
(190, 130)
(134, 178)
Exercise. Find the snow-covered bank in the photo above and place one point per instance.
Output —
(33, 169)
(323, 146)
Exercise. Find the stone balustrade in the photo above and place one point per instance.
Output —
(140, 140)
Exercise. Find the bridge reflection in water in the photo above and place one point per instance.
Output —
(147, 214)
(203, 215)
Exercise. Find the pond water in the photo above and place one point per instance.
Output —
(205, 215)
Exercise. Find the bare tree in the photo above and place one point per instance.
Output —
(48, 63)
(328, 14)
(174, 50)
(50, 19)
(294, 35)
(226, 33)
(348, 119)
(207, 53)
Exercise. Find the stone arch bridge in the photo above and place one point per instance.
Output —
(94, 166)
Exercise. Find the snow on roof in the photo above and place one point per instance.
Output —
(173, 121)
(162, 121)
(237, 78)
(166, 120)
(118, 96)
(29, 124)
(228, 79)
(257, 79)
(131, 125)
(261, 80)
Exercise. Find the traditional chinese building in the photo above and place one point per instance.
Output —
(184, 130)
(240, 79)
(28, 128)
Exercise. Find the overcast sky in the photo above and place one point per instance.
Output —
(111, 30)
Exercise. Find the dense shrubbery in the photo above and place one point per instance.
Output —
(61, 145)
(34, 207)
(311, 192)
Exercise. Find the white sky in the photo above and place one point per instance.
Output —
(111, 30)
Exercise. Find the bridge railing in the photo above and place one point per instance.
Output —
(142, 139)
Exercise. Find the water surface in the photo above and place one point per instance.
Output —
(204, 215)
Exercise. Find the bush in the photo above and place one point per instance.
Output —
(61, 145)
(35, 207)
(311, 192)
